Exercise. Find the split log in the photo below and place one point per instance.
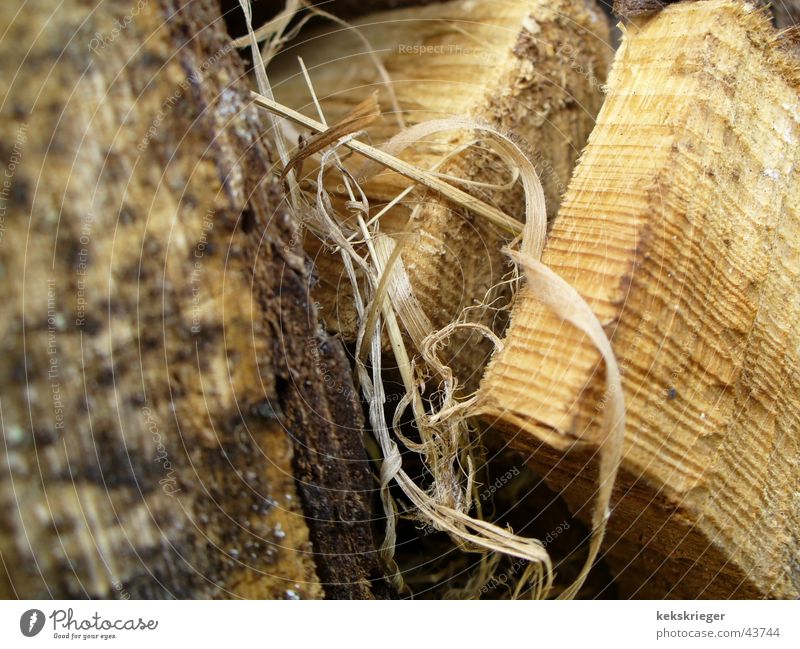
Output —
(533, 68)
(160, 351)
(681, 229)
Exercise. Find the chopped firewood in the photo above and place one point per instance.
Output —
(681, 229)
(532, 68)
(223, 286)
(159, 358)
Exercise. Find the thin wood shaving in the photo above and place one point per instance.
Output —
(362, 115)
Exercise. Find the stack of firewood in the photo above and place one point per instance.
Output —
(180, 411)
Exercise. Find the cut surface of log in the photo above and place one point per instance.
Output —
(160, 351)
(681, 230)
(532, 68)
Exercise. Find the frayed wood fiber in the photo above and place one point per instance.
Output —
(533, 69)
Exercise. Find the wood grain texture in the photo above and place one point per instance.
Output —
(171, 410)
(681, 230)
(533, 68)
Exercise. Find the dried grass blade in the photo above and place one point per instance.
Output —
(457, 196)
(364, 114)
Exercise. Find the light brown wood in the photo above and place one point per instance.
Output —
(681, 230)
(531, 67)
(160, 350)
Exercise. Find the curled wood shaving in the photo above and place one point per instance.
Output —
(442, 416)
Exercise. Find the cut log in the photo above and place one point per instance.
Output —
(530, 67)
(681, 229)
(160, 351)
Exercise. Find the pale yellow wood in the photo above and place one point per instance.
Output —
(531, 67)
(681, 229)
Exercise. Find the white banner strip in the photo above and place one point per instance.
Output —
(385, 625)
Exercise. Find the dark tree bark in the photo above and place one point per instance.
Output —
(169, 425)
(786, 13)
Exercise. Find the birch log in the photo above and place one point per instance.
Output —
(681, 229)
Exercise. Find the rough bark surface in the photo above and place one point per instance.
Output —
(786, 13)
(633, 8)
(681, 230)
(165, 389)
